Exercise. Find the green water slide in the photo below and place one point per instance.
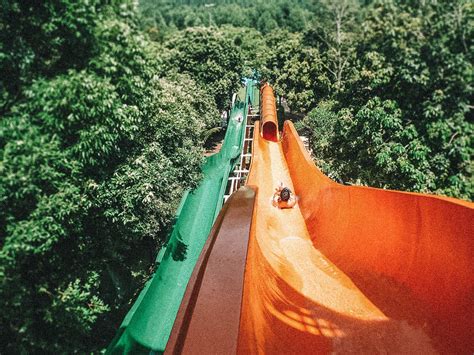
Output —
(147, 326)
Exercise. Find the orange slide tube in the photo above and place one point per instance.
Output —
(268, 113)
(352, 269)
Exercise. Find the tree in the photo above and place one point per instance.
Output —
(411, 57)
(93, 162)
(334, 34)
(208, 57)
(266, 23)
(374, 147)
(427, 70)
(42, 39)
(251, 43)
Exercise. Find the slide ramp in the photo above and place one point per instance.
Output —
(352, 269)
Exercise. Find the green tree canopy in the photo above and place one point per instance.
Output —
(209, 57)
(95, 154)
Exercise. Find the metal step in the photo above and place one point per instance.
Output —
(241, 171)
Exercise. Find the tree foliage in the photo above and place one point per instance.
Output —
(94, 157)
(209, 57)
(416, 57)
(264, 16)
(43, 38)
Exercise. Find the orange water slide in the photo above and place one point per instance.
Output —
(268, 113)
(351, 269)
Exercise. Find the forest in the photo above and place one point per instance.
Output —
(105, 107)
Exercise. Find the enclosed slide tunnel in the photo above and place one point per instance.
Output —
(269, 114)
(350, 269)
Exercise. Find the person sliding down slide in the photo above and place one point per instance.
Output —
(283, 197)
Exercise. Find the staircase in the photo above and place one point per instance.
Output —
(238, 177)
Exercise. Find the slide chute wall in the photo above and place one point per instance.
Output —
(412, 254)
